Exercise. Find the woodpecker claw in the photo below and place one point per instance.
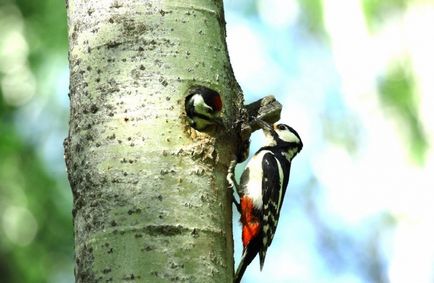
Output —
(230, 177)
(232, 182)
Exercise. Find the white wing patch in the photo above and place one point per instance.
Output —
(254, 185)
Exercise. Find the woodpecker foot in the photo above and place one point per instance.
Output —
(230, 177)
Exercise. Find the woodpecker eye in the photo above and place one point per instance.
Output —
(281, 127)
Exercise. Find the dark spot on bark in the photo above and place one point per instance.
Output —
(141, 48)
(93, 108)
(148, 248)
(113, 44)
(113, 223)
(163, 81)
(162, 12)
(142, 67)
(126, 119)
(195, 233)
(111, 20)
(106, 270)
(166, 230)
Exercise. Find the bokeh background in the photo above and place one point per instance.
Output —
(356, 79)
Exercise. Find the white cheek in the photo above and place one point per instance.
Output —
(200, 104)
(287, 136)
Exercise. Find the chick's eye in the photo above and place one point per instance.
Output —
(281, 127)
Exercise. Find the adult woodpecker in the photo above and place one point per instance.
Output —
(203, 106)
(262, 189)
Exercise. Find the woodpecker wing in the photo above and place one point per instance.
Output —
(272, 196)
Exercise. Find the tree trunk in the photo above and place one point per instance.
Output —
(150, 196)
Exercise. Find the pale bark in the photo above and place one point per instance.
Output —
(150, 197)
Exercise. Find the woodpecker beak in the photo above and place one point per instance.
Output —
(264, 125)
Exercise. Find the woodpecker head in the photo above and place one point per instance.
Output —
(282, 136)
(203, 106)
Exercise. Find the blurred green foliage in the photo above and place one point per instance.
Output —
(397, 92)
(312, 15)
(36, 243)
(377, 11)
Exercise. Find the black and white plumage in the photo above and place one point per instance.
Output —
(202, 106)
(262, 190)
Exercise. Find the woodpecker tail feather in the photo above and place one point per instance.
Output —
(241, 268)
(262, 254)
(249, 254)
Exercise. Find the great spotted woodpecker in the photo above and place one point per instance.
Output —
(203, 106)
(262, 189)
